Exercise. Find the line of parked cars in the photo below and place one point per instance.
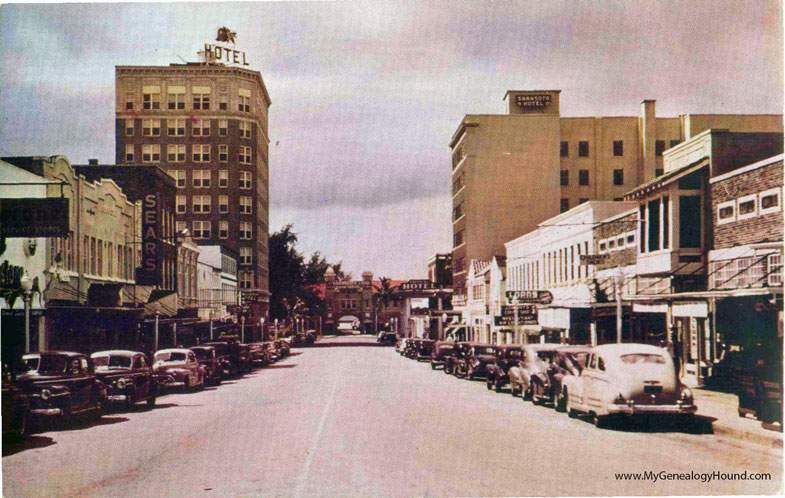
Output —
(58, 385)
(601, 382)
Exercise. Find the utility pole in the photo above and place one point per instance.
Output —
(618, 282)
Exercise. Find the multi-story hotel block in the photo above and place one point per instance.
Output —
(512, 171)
(207, 125)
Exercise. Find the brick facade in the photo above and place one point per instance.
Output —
(613, 230)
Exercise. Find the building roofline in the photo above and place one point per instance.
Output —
(748, 168)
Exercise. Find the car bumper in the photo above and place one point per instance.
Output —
(651, 409)
(168, 381)
(117, 398)
(47, 412)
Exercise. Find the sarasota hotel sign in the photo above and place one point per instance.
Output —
(219, 53)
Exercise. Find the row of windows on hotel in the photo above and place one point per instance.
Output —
(202, 229)
(202, 204)
(200, 153)
(583, 177)
(618, 148)
(202, 178)
(177, 127)
(176, 98)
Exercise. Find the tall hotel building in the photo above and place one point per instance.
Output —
(512, 171)
(206, 124)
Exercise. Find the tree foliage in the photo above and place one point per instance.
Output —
(291, 276)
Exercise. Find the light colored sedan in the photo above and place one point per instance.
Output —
(628, 379)
(532, 369)
(178, 368)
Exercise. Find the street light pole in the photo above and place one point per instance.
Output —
(242, 329)
(155, 344)
(27, 287)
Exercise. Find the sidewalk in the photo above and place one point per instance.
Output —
(724, 408)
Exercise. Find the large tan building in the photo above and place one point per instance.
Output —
(512, 171)
(207, 125)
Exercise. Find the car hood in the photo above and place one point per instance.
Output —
(169, 365)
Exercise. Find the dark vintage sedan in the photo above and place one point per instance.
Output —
(60, 384)
(759, 382)
(473, 361)
(410, 350)
(15, 407)
(458, 352)
(207, 358)
(441, 350)
(260, 354)
(127, 376)
(283, 347)
(274, 351)
(498, 369)
(568, 361)
(229, 356)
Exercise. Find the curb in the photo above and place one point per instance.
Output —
(773, 441)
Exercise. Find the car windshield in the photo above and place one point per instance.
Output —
(112, 361)
(636, 358)
(45, 364)
(203, 354)
(170, 356)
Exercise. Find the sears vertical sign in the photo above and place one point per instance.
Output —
(149, 273)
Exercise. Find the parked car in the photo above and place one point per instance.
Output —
(410, 351)
(230, 356)
(15, 407)
(260, 354)
(498, 369)
(208, 359)
(178, 368)
(310, 337)
(441, 349)
(299, 339)
(283, 347)
(567, 361)
(451, 359)
(759, 382)
(473, 361)
(274, 351)
(400, 347)
(127, 376)
(423, 349)
(628, 379)
(388, 338)
(529, 375)
(60, 384)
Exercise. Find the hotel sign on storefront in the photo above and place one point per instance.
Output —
(412, 285)
(34, 217)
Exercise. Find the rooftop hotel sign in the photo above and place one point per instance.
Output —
(220, 53)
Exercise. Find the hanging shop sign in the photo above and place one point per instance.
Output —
(150, 272)
(527, 315)
(530, 296)
(34, 217)
(412, 285)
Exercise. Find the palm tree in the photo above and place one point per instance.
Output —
(384, 294)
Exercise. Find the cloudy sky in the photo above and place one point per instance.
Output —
(366, 95)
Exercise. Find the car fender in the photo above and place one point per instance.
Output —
(574, 387)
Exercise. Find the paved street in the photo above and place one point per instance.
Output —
(347, 418)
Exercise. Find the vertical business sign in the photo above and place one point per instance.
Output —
(149, 273)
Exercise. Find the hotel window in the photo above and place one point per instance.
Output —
(223, 178)
(181, 226)
(244, 104)
(582, 200)
(457, 238)
(659, 147)
(201, 127)
(175, 153)
(565, 178)
(583, 177)
(769, 201)
(583, 149)
(223, 204)
(564, 151)
(151, 153)
(201, 97)
(176, 98)
(246, 279)
(618, 148)
(223, 102)
(565, 204)
(180, 204)
(245, 230)
(179, 177)
(674, 143)
(129, 153)
(175, 127)
(201, 229)
(726, 212)
(223, 229)
(201, 153)
(244, 155)
(245, 205)
(129, 127)
(151, 97)
(618, 177)
(245, 180)
(151, 127)
(223, 127)
(201, 178)
(748, 207)
(659, 172)
(245, 255)
(223, 153)
(201, 204)
(129, 104)
(245, 129)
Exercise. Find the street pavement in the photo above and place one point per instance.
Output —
(349, 418)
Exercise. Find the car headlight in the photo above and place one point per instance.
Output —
(121, 384)
(686, 395)
(46, 394)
